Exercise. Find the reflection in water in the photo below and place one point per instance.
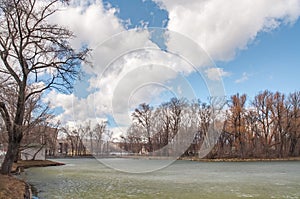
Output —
(87, 178)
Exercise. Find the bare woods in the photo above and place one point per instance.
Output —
(267, 126)
(35, 55)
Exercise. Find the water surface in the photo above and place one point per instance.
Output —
(87, 178)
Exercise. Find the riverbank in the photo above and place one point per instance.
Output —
(14, 188)
(24, 164)
(239, 159)
(196, 158)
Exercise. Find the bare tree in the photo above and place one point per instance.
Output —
(143, 116)
(294, 115)
(254, 133)
(74, 138)
(267, 127)
(35, 56)
(70, 134)
(132, 140)
(83, 132)
(237, 123)
(162, 124)
(176, 109)
(38, 131)
(200, 116)
(281, 123)
(98, 132)
(263, 103)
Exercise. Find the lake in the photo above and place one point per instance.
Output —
(88, 178)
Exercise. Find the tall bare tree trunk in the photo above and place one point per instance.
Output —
(12, 152)
(15, 133)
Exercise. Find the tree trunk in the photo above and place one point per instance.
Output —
(293, 145)
(12, 152)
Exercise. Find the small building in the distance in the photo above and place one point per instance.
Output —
(36, 152)
(38, 142)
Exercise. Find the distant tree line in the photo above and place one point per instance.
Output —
(85, 139)
(267, 126)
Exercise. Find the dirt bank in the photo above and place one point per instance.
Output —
(13, 188)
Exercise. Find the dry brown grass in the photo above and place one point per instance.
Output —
(34, 163)
(11, 187)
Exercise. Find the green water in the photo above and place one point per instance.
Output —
(87, 178)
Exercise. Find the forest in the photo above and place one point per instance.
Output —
(267, 126)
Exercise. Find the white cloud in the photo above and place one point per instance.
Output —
(223, 27)
(135, 78)
(102, 31)
(89, 20)
(216, 74)
(125, 61)
(131, 79)
(75, 111)
(244, 78)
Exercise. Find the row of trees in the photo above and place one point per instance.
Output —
(172, 123)
(86, 140)
(267, 126)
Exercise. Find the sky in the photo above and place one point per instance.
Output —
(149, 51)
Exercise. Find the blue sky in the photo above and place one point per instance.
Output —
(271, 61)
(139, 11)
(255, 46)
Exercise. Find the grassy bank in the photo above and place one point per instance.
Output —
(13, 188)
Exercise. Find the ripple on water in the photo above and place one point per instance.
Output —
(184, 179)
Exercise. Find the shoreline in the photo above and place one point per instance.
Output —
(11, 187)
(25, 164)
(187, 158)
(239, 159)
